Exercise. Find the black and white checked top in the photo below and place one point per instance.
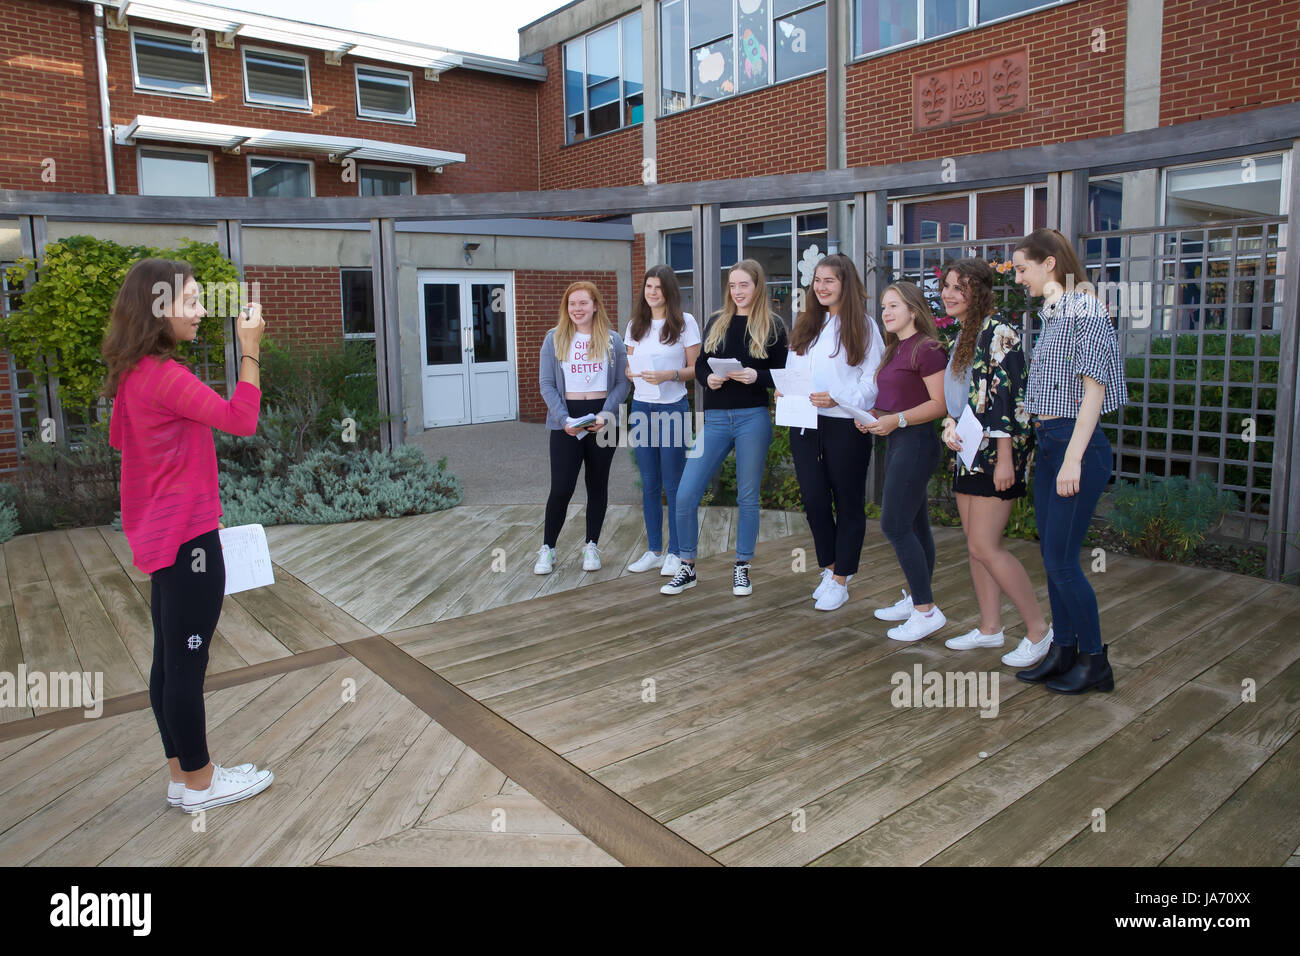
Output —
(1077, 339)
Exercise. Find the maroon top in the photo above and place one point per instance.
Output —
(901, 379)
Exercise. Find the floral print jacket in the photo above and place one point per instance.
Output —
(999, 379)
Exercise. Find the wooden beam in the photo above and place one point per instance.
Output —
(388, 361)
(230, 243)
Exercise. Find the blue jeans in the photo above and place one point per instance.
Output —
(750, 431)
(911, 458)
(659, 434)
(1062, 523)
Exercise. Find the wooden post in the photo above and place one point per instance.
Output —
(388, 362)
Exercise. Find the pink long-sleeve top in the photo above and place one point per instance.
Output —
(162, 422)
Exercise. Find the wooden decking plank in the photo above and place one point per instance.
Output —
(511, 813)
(31, 756)
(428, 847)
(117, 543)
(46, 644)
(129, 613)
(92, 551)
(321, 613)
(241, 629)
(285, 622)
(471, 779)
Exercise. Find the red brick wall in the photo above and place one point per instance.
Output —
(8, 443)
(49, 98)
(778, 129)
(1221, 56)
(612, 159)
(537, 306)
(1074, 91)
(303, 305)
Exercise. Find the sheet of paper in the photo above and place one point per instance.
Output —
(721, 366)
(581, 424)
(638, 364)
(970, 433)
(793, 381)
(247, 557)
(860, 414)
(796, 411)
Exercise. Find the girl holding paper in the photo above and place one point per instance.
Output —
(839, 340)
(909, 397)
(745, 332)
(990, 359)
(162, 421)
(665, 342)
(582, 373)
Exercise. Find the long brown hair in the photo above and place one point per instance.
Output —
(565, 330)
(643, 315)
(975, 277)
(855, 331)
(923, 318)
(1041, 243)
(761, 325)
(134, 330)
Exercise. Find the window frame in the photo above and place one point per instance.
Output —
(1284, 180)
(139, 167)
(362, 167)
(353, 336)
(310, 164)
(389, 118)
(245, 49)
(621, 78)
(972, 211)
(188, 40)
(974, 23)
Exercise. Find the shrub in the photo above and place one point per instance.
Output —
(1165, 519)
(61, 486)
(9, 524)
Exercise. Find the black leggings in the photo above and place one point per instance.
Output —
(911, 457)
(831, 462)
(568, 455)
(185, 601)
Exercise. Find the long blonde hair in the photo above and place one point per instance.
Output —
(761, 326)
(565, 330)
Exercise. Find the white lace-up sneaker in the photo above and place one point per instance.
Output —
(590, 557)
(646, 562)
(833, 597)
(975, 638)
(827, 573)
(545, 560)
(176, 790)
(898, 611)
(919, 625)
(740, 583)
(1028, 653)
(671, 564)
(227, 786)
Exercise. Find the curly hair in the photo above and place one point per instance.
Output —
(975, 278)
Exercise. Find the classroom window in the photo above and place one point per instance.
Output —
(165, 172)
(885, 24)
(382, 181)
(384, 94)
(170, 62)
(358, 304)
(276, 79)
(279, 178)
(603, 80)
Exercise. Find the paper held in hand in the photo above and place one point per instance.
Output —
(970, 433)
(721, 366)
(653, 363)
(793, 408)
(860, 414)
(582, 423)
(247, 557)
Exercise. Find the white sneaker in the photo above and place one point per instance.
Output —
(833, 597)
(175, 791)
(919, 625)
(827, 574)
(975, 638)
(740, 583)
(646, 562)
(228, 786)
(898, 611)
(545, 560)
(590, 557)
(671, 564)
(1029, 653)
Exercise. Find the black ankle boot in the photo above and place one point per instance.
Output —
(1090, 671)
(1058, 659)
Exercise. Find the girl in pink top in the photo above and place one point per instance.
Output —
(162, 422)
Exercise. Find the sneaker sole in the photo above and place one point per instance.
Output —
(547, 571)
(896, 620)
(919, 637)
(742, 592)
(252, 791)
(684, 587)
(971, 647)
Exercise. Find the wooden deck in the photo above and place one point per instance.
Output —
(423, 698)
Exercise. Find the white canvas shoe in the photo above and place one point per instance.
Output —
(833, 597)
(898, 611)
(177, 790)
(919, 625)
(1028, 653)
(975, 638)
(646, 562)
(227, 787)
(545, 560)
(590, 557)
(671, 564)
(827, 573)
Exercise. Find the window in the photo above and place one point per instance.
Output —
(170, 62)
(384, 94)
(712, 49)
(276, 79)
(1236, 189)
(884, 24)
(280, 178)
(358, 304)
(602, 80)
(167, 172)
(385, 181)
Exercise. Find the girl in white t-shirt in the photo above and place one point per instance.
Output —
(665, 342)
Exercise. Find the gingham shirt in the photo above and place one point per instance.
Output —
(1077, 339)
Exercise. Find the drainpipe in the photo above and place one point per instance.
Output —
(105, 120)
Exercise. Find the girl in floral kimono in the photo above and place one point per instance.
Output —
(990, 360)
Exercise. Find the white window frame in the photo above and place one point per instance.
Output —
(188, 39)
(1284, 178)
(352, 336)
(383, 118)
(972, 20)
(249, 99)
(311, 170)
(139, 166)
(362, 167)
(622, 81)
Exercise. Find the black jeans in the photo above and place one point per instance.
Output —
(911, 458)
(568, 455)
(831, 462)
(185, 601)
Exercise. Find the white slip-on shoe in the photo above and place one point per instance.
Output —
(646, 562)
(1028, 653)
(590, 557)
(919, 625)
(671, 564)
(898, 611)
(545, 560)
(827, 574)
(177, 790)
(833, 597)
(975, 638)
(227, 787)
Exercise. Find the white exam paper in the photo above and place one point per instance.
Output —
(247, 557)
(860, 414)
(796, 411)
(721, 366)
(970, 433)
(793, 381)
(653, 363)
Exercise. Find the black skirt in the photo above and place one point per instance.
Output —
(980, 485)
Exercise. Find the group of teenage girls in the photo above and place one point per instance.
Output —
(905, 380)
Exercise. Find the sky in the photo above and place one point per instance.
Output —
(471, 26)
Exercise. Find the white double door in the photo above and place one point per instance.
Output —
(467, 346)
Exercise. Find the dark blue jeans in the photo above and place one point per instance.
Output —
(911, 457)
(1062, 523)
(660, 433)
